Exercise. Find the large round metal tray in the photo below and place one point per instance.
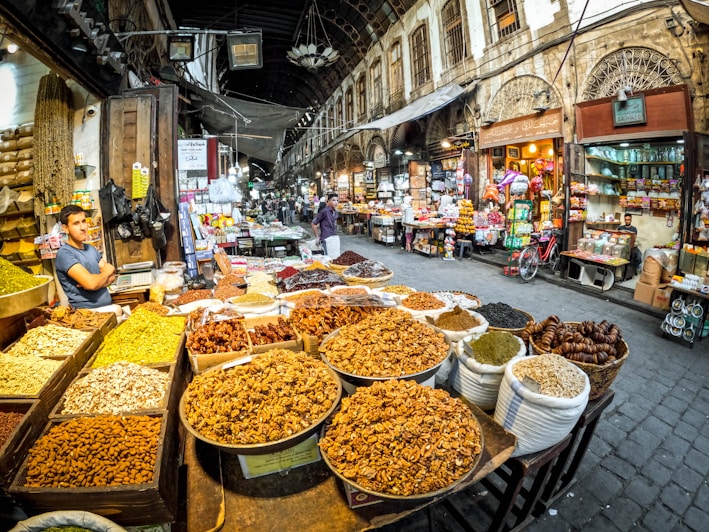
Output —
(417, 496)
(268, 447)
(361, 380)
(20, 302)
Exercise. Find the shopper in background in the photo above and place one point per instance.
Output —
(81, 270)
(327, 233)
(445, 201)
(407, 217)
(291, 209)
(316, 205)
(635, 255)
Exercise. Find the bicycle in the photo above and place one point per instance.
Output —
(543, 250)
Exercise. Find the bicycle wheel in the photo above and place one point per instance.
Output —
(528, 263)
(554, 258)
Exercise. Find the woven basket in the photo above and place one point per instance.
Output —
(373, 282)
(337, 267)
(600, 377)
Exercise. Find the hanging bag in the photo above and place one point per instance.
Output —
(115, 205)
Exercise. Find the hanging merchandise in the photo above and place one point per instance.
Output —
(140, 179)
(115, 206)
(492, 194)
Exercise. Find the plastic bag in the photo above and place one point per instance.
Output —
(7, 197)
(115, 205)
(221, 191)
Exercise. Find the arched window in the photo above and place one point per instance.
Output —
(453, 39)
(375, 76)
(362, 97)
(396, 71)
(420, 56)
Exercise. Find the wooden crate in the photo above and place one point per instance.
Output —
(55, 386)
(126, 505)
(13, 452)
(87, 348)
(292, 345)
(55, 413)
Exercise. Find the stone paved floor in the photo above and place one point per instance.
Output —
(648, 463)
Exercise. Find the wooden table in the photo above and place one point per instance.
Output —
(310, 498)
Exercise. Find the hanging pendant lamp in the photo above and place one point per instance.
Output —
(310, 51)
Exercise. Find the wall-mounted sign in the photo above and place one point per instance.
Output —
(630, 111)
(192, 154)
(525, 128)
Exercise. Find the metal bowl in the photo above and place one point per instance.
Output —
(361, 380)
(417, 496)
(20, 302)
(268, 447)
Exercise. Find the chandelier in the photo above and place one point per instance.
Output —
(312, 52)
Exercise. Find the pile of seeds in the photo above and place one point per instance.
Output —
(503, 316)
(14, 279)
(555, 376)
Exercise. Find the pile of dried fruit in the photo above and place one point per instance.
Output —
(348, 258)
(316, 315)
(191, 296)
(588, 341)
(79, 318)
(387, 344)
(218, 337)
(271, 333)
(422, 301)
(277, 394)
(402, 438)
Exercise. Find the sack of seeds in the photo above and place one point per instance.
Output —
(540, 400)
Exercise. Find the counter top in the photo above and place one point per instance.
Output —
(308, 498)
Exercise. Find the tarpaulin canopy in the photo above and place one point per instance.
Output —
(697, 9)
(418, 108)
(260, 128)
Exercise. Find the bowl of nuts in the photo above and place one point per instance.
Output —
(384, 346)
(401, 440)
(260, 404)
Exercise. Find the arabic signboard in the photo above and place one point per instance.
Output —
(629, 112)
(192, 154)
(526, 128)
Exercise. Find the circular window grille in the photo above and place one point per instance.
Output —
(639, 68)
(522, 96)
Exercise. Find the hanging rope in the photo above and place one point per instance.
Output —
(53, 144)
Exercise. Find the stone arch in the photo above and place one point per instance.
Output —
(638, 67)
(522, 96)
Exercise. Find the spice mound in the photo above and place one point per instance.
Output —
(14, 279)
(495, 347)
(367, 269)
(95, 451)
(191, 296)
(274, 396)
(503, 316)
(422, 301)
(120, 387)
(387, 344)
(554, 376)
(348, 258)
(401, 438)
(457, 319)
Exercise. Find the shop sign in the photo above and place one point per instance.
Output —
(525, 128)
(630, 111)
(379, 157)
(192, 154)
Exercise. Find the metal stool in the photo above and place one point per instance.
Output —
(464, 244)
